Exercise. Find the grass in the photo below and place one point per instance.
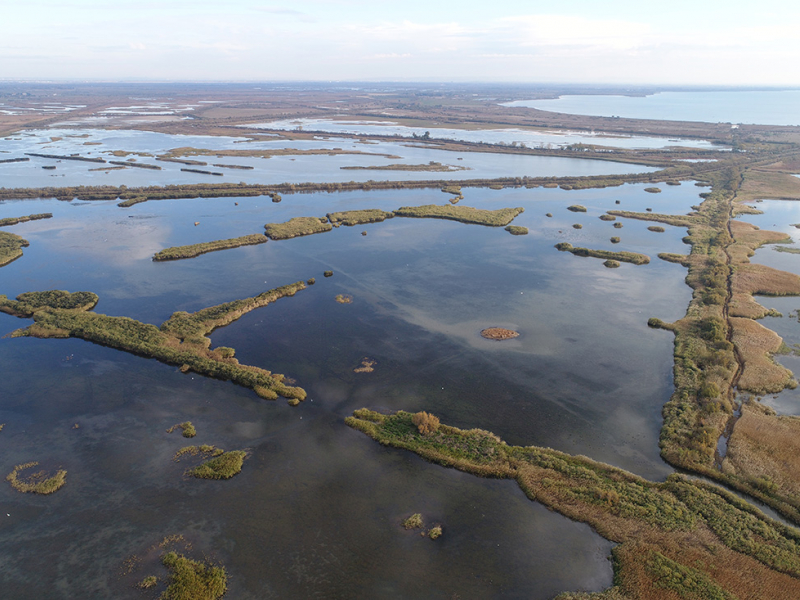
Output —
(297, 227)
(630, 257)
(498, 333)
(11, 246)
(653, 190)
(656, 228)
(705, 539)
(343, 299)
(192, 579)
(190, 251)
(414, 522)
(516, 230)
(224, 466)
(577, 208)
(760, 184)
(359, 217)
(611, 264)
(37, 483)
(188, 430)
(755, 345)
(15, 220)
(182, 340)
(462, 214)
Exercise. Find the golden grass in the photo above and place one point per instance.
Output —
(463, 214)
(755, 344)
(367, 366)
(765, 449)
(760, 184)
(192, 250)
(297, 227)
(760, 279)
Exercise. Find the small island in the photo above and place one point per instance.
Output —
(498, 333)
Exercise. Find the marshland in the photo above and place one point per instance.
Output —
(600, 353)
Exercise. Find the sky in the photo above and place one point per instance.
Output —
(680, 42)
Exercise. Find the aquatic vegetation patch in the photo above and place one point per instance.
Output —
(462, 214)
(223, 466)
(343, 299)
(656, 229)
(577, 208)
(498, 333)
(611, 264)
(435, 532)
(630, 257)
(577, 226)
(699, 529)
(516, 230)
(192, 250)
(653, 190)
(607, 218)
(36, 483)
(16, 220)
(182, 340)
(296, 227)
(187, 429)
(414, 522)
(367, 366)
(193, 579)
(359, 217)
(432, 166)
(11, 246)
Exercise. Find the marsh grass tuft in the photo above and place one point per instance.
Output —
(37, 483)
(435, 532)
(186, 427)
(193, 580)
(414, 522)
(463, 214)
(577, 208)
(516, 230)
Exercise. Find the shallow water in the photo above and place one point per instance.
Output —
(529, 138)
(278, 169)
(765, 107)
(316, 510)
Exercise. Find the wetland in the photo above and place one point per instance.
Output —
(577, 393)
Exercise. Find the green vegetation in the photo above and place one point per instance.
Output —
(630, 257)
(223, 466)
(192, 579)
(10, 247)
(550, 215)
(414, 522)
(183, 161)
(618, 225)
(653, 190)
(516, 230)
(611, 264)
(690, 532)
(656, 228)
(297, 227)
(181, 340)
(135, 164)
(38, 483)
(16, 220)
(615, 240)
(463, 214)
(577, 226)
(186, 427)
(148, 582)
(328, 273)
(359, 217)
(192, 250)
(240, 167)
(608, 218)
(435, 532)
(577, 208)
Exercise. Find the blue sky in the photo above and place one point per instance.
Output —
(616, 41)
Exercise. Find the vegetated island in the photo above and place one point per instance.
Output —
(192, 250)
(350, 218)
(432, 166)
(11, 246)
(516, 230)
(181, 340)
(297, 227)
(16, 220)
(37, 483)
(498, 333)
(219, 464)
(630, 257)
(679, 537)
(464, 214)
(187, 429)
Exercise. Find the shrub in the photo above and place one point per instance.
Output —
(414, 522)
(426, 423)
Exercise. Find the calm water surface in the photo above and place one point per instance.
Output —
(774, 107)
(316, 509)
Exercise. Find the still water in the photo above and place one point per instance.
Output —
(316, 509)
(765, 107)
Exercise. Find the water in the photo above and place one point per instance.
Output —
(529, 138)
(277, 169)
(765, 107)
(316, 509)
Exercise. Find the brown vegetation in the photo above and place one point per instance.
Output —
(498, 333)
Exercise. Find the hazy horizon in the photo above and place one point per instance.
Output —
(620, 43)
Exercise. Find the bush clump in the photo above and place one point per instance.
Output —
(577, 208)
(426, 423)
(414, 522)
(192, 579)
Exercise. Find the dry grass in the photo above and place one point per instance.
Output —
(37, 483)
(755, 344)
(463, 214)
(192, 250)
(297, 227)
(765, 449)
(760, 184)
(367, 366)
(760, 279)
(359, 217)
